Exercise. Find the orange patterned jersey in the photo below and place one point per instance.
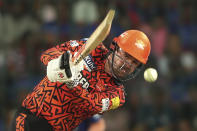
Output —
(20, 122)
(66, 108)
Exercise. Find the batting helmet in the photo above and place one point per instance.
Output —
(135, 43)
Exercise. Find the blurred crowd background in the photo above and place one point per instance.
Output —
(28, 27)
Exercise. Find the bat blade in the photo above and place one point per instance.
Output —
(96, 37)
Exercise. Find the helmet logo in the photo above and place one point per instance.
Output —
(140, 44)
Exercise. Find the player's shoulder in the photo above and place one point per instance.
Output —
(75, 45)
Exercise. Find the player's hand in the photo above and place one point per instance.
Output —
(63, 70)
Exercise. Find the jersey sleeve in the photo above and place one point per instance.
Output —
(53, 53)
(101, 101)
(73, 46)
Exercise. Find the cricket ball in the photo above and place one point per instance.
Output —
(150, 75)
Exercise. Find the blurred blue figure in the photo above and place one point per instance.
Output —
(95, 123)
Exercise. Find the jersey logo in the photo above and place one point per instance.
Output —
(89, 63)
(80, 79)
(105, 104)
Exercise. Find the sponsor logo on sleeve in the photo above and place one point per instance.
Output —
(115, 102)
(89, 63)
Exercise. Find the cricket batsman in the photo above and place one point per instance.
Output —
(71, 93)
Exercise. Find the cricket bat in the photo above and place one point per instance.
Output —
(95, 38)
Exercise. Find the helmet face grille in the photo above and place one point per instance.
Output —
(123, 71)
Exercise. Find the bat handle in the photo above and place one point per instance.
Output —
(78, 59)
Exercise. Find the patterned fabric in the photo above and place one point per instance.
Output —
(66, 108)
(20, 122)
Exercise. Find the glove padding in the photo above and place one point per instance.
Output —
(65, 64)
(63, 70)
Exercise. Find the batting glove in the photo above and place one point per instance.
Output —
(62, 69)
